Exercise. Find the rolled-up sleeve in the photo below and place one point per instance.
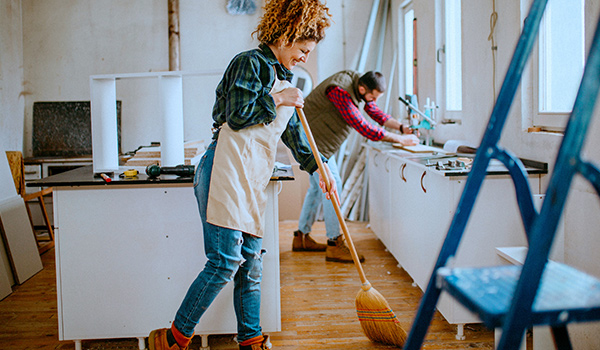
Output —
(351, 114)
(295, 139)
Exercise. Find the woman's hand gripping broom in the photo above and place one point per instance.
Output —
(377, 319)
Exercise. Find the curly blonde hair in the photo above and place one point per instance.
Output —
(292, 21)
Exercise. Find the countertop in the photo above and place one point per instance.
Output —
(429, 160)
(84, 176)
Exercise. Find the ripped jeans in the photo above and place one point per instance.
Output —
(232, 255)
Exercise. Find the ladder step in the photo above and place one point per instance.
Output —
(565, 295)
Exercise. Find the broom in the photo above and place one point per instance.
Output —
(378, 321)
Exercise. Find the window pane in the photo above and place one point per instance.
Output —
(453, 47)
(409, 16)
(561, 56)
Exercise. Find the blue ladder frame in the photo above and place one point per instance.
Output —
(514, 297)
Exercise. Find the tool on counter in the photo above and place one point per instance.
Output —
(378, 321)
(427, 123)
(416, 109)
(450, 165)
(130, 173)
(107, 177)
(154, 170)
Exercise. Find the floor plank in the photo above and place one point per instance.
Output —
(317, 304)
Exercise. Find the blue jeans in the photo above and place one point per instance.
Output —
(314, 197)
(232, 255)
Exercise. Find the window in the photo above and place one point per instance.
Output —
(409, 17)
(452, 70)
(558, 63)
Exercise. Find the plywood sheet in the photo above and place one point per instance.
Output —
(20, 241)
(7, 185)
(6, 280)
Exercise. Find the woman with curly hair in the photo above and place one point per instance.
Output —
(254, 109)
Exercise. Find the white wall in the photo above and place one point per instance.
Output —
(65, 42)
(79, 38)
(11, 76)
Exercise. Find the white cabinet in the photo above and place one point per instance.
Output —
(419, 215)
(379, 194)
(414, 205)
(126, 255)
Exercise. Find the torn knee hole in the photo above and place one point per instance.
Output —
(259, 255)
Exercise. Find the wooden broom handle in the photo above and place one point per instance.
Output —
(335, 201)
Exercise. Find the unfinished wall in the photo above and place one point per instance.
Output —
(63, 45)
(11, 76)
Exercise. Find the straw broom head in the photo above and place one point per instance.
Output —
(378, 321)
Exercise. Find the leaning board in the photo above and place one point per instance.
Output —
(419, 148)
(20, 241)
(19, 248)
(5, 273)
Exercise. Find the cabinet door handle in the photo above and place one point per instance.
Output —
(387, 161)
(402, 172)
(423, 187)
(375, 155)
(437, 53)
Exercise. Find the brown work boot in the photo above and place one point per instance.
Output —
(159, 340)
(304, 243)
(338, 251)
(265, 344)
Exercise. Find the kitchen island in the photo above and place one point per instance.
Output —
(127, 251)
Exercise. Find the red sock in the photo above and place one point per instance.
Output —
(256, 340)
(181, 339)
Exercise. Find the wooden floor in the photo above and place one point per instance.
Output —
(317, 304)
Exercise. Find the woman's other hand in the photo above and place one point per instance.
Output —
(333, 187)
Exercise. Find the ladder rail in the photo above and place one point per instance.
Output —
(523, 191)
(476, 176)
(568, 164)
(560, 336)
(591, 173)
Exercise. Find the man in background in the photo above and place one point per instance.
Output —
(332, 111)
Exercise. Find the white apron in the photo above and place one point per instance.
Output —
(242, 168)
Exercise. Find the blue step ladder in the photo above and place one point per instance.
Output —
(540, 292)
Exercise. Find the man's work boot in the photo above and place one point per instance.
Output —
(160, 339)
(338, 251)
(304, 243)
(265, 344)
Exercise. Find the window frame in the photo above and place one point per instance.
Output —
(441, 58)
(406, 7)
(547, 121)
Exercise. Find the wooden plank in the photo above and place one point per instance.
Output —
(353, 196)
(357, 170)
(419, 148)
(355, 212)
